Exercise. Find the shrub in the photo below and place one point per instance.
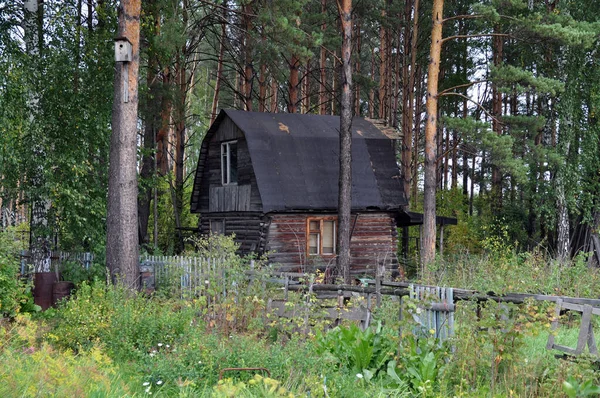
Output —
(129, 325)
(47, 372)
(15, 293)
(363, 352)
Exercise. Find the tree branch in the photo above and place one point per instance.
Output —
(445, 39)
(475, 16)
(478, 105)
(444, 92)
(463, 17)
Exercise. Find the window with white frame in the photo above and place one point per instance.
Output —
(321, 233)
(229, 172)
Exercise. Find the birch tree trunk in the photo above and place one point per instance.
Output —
(345, 182)
(121, 218)
(40, 205)
(429, 230)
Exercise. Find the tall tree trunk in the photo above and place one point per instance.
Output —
(121, 216)
(417, 135)
(77, 47)
(151, 125)
(162, 138)
(498, 45)
(293, 84)
(90, 15)
(429, 229)
(406, 151)
(40, 235)
(408, 148)
(322, 66)
(274, 93)
(247, 12)
(383, 65)
(345, 182)
(215, 101)
(357, 68)
(262, 88)
(335, 76)
(180, 132)
(372, 89)
(306, 89)
(563, 221)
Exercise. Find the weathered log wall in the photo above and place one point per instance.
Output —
(373, 242)
(250, 229)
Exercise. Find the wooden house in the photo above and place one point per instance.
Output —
(272, 180)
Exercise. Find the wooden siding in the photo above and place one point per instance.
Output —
(213, 196)
(250, 229)
(373, 241)
(229, 198)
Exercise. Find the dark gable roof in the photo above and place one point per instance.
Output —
(296, 161)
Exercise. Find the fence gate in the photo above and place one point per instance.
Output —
(435, 310)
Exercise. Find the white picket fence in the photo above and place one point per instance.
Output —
(192, 275)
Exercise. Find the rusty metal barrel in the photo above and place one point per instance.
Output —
(43, 283)
(60, 291)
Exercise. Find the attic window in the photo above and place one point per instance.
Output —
(229, 172)
(321, 233)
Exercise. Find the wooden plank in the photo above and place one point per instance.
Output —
(586, 320)
(517, 298)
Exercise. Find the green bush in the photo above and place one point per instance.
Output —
(47, 372)
(15, 293)
(363, 352)
(129, 325)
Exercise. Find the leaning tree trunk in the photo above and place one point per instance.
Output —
(429, 231)
(121, 216)
(345, 182)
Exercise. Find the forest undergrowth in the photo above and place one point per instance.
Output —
(108, 342)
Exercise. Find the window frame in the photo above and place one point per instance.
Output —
(226, 168)
(321, 221)
(213, 223)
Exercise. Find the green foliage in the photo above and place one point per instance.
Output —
(419, 363)
(15, 292)
(366, 352)
(258, 386)
(75, 272)
(129, 325)
(44, 370)
(574, 389)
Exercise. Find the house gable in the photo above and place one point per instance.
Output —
(294, 160)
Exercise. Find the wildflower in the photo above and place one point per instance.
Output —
(148, 390)
(168, 346)
(159, 382)
(359, 375)
(160, 344)
(146, 383)
(431, 331)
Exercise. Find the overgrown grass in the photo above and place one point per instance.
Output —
(108, 342)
